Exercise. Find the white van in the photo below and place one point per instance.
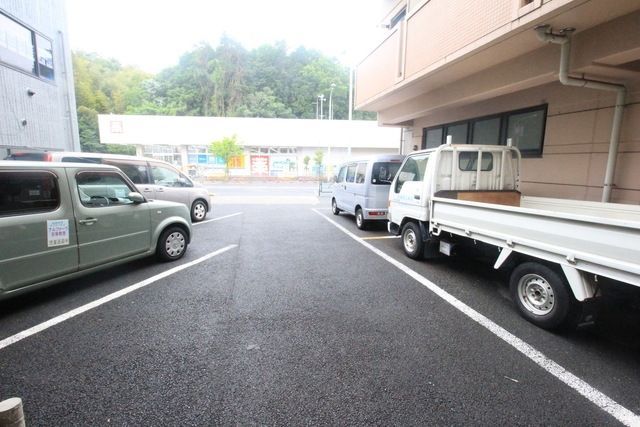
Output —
(153, 178)
(362, 188)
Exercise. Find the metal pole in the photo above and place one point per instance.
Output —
(333, 86)
(350, 93)
(11, 413)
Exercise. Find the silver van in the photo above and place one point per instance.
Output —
(362, 188)
(153, 178)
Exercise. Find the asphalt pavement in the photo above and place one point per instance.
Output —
(298, 322)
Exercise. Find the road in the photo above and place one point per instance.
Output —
(285, 314)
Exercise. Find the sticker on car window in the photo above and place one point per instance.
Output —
(57, 232)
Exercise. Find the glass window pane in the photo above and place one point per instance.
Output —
(136, 171)
(26, 192)
(16, 45)
(382, 173)
(458, 133)
(163, 175)
(526, 131)
(412, 170)
(351, 173)
(341, 175)
(486, 131)
(101, 189)
(468, 161)
(45, 57)
(433, 138)
(362, 167)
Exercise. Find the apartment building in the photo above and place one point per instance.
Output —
(559, 78)
(37, 98)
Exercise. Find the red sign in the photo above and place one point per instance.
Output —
(260, 165)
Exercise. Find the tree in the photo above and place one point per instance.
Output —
(306, 161)
(317, 159)
(226, 148)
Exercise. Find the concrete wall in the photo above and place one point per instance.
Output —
(50, 114)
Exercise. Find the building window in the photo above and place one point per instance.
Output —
(524, 127)
(24, 49)
(486, 131)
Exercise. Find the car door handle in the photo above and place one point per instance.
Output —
(88, 221)
(416, 196)
(160, 189)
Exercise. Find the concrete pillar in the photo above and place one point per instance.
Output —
(11, 413)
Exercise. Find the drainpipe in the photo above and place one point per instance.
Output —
(563, 38)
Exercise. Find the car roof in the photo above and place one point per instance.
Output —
(29, 164)
(376, 158)
(88, 155)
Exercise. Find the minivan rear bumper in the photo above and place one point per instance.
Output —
(377, 214)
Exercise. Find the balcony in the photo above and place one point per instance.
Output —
(441, 43)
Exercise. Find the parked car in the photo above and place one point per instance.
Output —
(62, 220)
(362, 188)
(153, 178)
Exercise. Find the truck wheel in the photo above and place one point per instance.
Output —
(543, 296)
(334, 207)
(412, 240)
(172, 244)
(198, 211)
(360, 221)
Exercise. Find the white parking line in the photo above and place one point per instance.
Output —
(217, 219)
(604, 402)
(77, 311)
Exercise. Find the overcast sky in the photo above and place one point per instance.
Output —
(152, 34)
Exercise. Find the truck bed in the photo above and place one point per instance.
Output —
(598, 238)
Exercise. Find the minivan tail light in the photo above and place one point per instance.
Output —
(48, 157)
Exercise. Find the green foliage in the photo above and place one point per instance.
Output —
(226, 148)
(225, 81)
(317, 157)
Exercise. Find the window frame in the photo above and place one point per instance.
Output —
(121, 175)
(35, 71)
(55, 179)
(504, 122)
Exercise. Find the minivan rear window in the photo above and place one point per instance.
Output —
(383, 173)
(28, 192)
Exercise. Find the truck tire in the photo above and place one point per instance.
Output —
(361, 223)
(334, 207)
(543, 297)
(172, 244)
(412, 240)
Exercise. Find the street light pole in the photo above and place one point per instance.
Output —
(350, 92)
(321, 98)
(333, 86)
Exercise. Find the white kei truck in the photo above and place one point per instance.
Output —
(559, 252)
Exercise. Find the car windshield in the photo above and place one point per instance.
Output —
(383, 173)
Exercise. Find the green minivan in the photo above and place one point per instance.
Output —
(61, 220)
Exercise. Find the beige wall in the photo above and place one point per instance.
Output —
(576, 141)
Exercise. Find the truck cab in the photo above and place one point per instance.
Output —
(487, 173)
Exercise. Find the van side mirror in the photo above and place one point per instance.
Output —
(136, 197)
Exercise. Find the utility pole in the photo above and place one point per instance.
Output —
(322, 99)
(333, 86)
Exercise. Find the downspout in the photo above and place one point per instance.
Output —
(563, 38)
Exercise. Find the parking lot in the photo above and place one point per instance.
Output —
(282, 313)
